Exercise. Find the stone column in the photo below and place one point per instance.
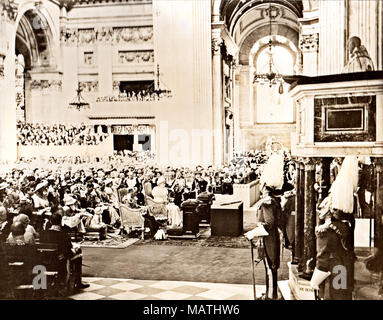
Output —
(104, 57)
(237, 131)
(326, 176)
(309, 251)
(378, 228)
(218, 114)
(8, 149)
(309, 45)
(331, 36)
(299, 215)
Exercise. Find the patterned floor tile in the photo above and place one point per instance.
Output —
(189, 289)
(170, 295)
(148, 290)
(93, 286)
(128, 289)
(91, 279)
(216, 294)
(143, 282)
(167, 285)
(128, 295)
(107, 282)
(108, 291)
(150, 298)
(127, 286)
(86, 296)
(240, 297)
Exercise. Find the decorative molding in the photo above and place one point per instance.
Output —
(130, 57)
(116, 85)
(273, 12)
(86, 36)
(105, 35)
(9, 9)
(309, 42)
(88, 86)
(309, 164)
(46, 84)
(133, 34)
(69, 36)
(216, 41)
(136, 35)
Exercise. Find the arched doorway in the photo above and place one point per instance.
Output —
(272, 104)
(34, 52)
(262, 110)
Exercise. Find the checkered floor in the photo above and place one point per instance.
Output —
(128, 289)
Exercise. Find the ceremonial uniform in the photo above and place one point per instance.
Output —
(334, 248)
(268, 214)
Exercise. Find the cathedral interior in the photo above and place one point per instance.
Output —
(101, 98)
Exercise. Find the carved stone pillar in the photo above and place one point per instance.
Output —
(378, 228)
(309, 251)
(218, 114)
(309, 45)
(326, 176)
(8, 14)
(299, 215)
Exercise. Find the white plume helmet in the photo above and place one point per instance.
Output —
(345, 185)
(272, 174)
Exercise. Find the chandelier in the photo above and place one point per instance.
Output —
(272, 77)
(79, 102)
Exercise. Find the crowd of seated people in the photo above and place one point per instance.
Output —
(142, 95)
(57, 135)
(83, 188)
(81, 194)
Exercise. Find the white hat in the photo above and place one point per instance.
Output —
(160, 180)
(98, 210)
(3, 185)
(69, 200)
(41, 185)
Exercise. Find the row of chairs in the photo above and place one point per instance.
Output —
(34, 271)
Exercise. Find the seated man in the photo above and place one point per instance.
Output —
(67, 251)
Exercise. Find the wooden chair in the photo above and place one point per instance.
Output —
(132, 219)
(20, 262)
(157, 209)
(122, 193)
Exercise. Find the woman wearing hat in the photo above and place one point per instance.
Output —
(39, 198)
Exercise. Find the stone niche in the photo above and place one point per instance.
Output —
(338, 115)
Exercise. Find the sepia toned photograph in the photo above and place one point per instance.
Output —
(174, 150)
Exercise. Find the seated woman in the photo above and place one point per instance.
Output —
(16, 237)
(40, 198)
(160, 194)
(30, 233)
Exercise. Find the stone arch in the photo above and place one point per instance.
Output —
(34, 36)
(261, 32)
(294, 52)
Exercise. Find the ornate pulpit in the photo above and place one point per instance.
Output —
(336, 115)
